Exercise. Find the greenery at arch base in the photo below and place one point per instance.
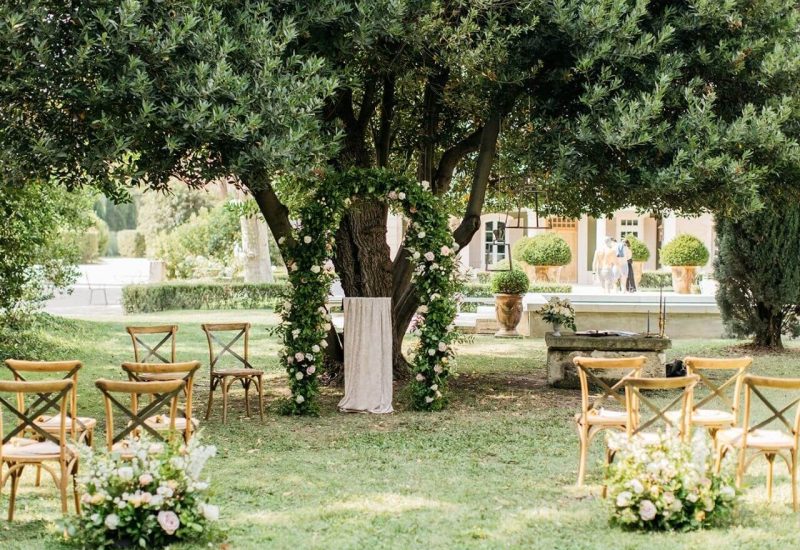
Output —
(305, 321)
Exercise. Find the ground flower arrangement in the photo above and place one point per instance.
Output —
(149, 501)
(669, 485)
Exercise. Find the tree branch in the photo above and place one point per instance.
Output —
(383, 140)
(274, 211)
(432, 103)
(450, 159)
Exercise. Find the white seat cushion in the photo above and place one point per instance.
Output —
(161, 422)
(51, 423)
(605, 417)
(757, 439)
(29, 448)
(706, 417)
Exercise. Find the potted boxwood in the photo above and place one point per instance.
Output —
(684, 254)
(508, 288)
(546, 252)
(639, 254)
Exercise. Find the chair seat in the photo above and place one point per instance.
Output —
(237, 372)
(160, 422)
(604, 417)
(123, 448)
(53, 423)
(30, 449)
(160, 376)
(706, 417)
(757, 439)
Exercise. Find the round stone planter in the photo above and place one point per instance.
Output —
(508, 309)
(683, 278)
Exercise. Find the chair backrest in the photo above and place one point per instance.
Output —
(163, 393)
(176, 371)
(659, 414)
(729, 391)
(759, 386)
(49, 394)
(139, 335)
(240, 331)
(588, 368)
(69, 369)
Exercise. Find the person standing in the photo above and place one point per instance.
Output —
(630, 281)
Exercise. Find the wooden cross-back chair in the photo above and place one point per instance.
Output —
(725, 394)
(752, 437)
(47, 448)
(224, 377)
(164, 394)
(594, 417)
(638, 425)
(144, 352)
(149, 372)
(81, 428)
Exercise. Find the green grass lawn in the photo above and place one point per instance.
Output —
(495, 470)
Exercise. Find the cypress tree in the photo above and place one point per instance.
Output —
(758, 268)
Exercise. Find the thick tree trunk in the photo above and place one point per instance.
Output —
(768, 329)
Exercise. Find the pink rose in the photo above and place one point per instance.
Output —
(429, 256)
(311, 370)
(169, 522)
(145, 479)
(445, 251)
(392, 195)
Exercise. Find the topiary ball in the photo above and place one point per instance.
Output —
(684, 250)
(510, 282)
(546, 249)
(639, 250)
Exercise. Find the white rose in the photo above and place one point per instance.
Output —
(307, 239)
(431, 352)
(456, 247)
(299, 399)
(299, 375)
(421, 235)
(125, 473)
(420, 377)
(647, 510)
(392, 195)
(429, 256)
(282, 240)
(309, 356)
(112, 521)
(445, 251)
(293, 267)
(423, 309)
(324, 344)
(434, 387)
(326, 326)
(145, 479)
(438, 369)
(425, 184)
(210, 512)
(624, 499)
(315, 348)
(429, 399)
(300, 356)
(315, 269)
(169, 521)
(416, 255)
(401, 196)
(637, 486)
(442, 346)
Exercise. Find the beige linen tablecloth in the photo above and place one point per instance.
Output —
(367, 355)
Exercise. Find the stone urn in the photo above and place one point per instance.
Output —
(683, 278)
(547, 273)
(508, 308)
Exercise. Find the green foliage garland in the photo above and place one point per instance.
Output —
(306, 322)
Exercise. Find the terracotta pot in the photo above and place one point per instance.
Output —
(508, 309)
(638, 268)
(683, 278)
(547, 273)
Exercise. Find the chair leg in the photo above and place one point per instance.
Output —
(15, 475)
(260, 381)
(770, 468)
(75, 494)
(793, 468)
(38, 475)
(246, 384)
(210, 396)
(62, 488)
(583, 454)
(225, 386)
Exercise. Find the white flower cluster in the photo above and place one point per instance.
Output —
(152, 479)
(667, 484)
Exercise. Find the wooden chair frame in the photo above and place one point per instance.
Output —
(164, 392)
(78, 430)
(225, 378)
(752, 386)
(634, 398)
(169, 332)
(67, 459)
(587, 430)
(696, 366)
(149, 372)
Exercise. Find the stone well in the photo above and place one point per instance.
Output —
(562, 373)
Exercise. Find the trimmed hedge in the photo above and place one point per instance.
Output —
(684, 250)
(656, 279)
(207, 295)
(482, 290)
(545, 249)
(131, 243)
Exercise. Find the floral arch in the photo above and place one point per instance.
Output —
(305, 321)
